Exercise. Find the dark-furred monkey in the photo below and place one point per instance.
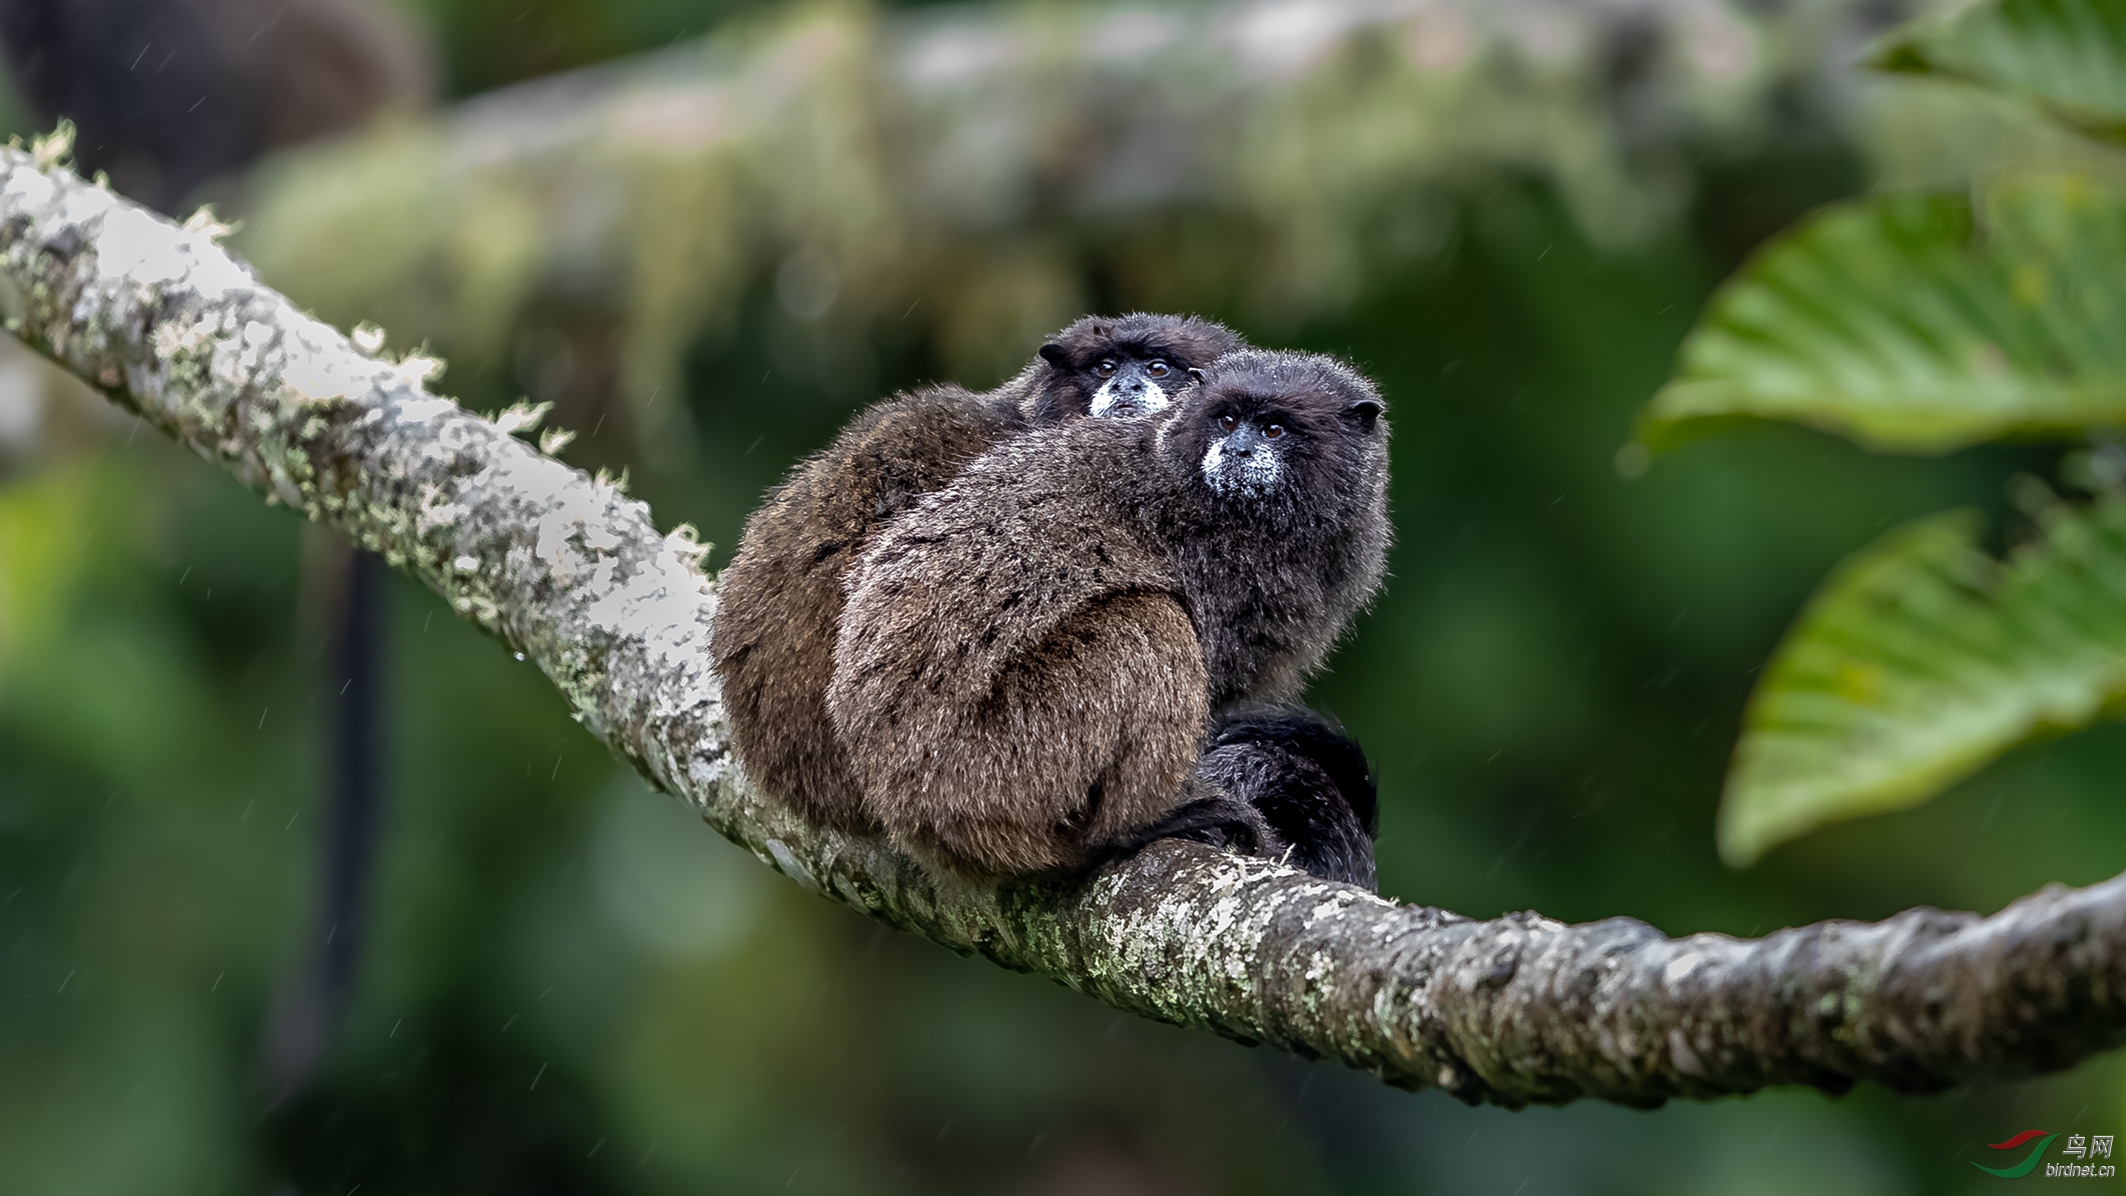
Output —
(782, 593)
(1029, 658)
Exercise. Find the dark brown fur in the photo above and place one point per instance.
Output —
(782, 594)
(1028, 658)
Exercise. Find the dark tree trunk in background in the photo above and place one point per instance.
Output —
(309, 1006)
(166, 96)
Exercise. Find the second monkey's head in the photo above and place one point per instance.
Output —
(1122, 365)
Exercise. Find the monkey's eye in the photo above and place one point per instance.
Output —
(1227, 423)
(1105, 369)
(1273, 432)
(1158, 369)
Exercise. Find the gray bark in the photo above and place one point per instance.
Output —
(573, 574)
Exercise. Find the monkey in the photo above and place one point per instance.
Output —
(781, 605)
(1028, 658)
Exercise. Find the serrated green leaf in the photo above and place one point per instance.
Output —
(2066, 57)
(1913, 323)
(1922, 659)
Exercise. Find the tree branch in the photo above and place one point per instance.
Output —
(573, 574)
(960, 169)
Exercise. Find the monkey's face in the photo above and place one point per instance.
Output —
(1247, 447)
(1132, 386)
(1115, 367)
(1280, 431)
(1113, 380)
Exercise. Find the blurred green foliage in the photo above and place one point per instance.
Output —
(2060, 55)
(1920, 661)
(936, 192)
(485, 44)
(570, 986)
(1923, 322)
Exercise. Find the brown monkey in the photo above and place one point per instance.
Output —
(1029, 657)
(782, 594)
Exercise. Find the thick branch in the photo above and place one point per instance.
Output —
(573, 574)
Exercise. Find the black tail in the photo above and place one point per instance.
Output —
(1306, 779)
(1217, 820)
(1309, 735)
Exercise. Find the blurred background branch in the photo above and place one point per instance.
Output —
(971, 178)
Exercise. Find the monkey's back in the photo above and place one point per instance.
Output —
(782, 592)
(1015, 682)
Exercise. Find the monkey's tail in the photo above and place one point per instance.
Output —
(1214, 820)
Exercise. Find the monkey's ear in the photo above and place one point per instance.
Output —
(1053, 354)
(1194, 374)
(1365, 412)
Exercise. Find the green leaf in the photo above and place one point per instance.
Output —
(1922, 659)
(1916, 323)
(2065, 57)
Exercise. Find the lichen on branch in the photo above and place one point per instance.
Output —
(573, 574)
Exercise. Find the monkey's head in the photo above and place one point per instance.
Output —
(1123, 365)
(1296, 433)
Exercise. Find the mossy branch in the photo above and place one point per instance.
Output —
(571, 572)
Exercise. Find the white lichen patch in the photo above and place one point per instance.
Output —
(417, 369)
(520, 418)
(202, 222)
(50, 150)
(309, 374)
(1682, 1056)
(789, 865)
